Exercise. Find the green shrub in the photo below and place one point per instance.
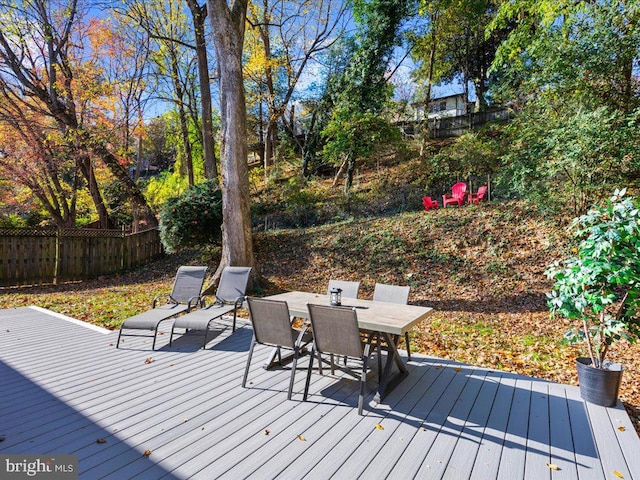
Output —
(192, 219)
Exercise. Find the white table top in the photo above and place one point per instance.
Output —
(391, 318)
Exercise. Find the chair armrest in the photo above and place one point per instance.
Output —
(162, 295)
(194, 302)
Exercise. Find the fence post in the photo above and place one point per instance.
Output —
(124, 249)
(56, 268)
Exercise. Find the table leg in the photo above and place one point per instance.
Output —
(389, 381)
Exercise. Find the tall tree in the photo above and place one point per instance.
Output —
(362, 91)
(228, 25)
(292, 35)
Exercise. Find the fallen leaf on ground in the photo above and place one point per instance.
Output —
(379, 427)
(553, 466)
(457, 369)
(621, 428)
(149, 360)
(147, 453)
(266, 432)
(301, 438)
(101, 440)
(618, 474)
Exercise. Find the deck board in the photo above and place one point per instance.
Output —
(64, 386)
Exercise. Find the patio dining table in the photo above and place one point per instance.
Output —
(389, 320)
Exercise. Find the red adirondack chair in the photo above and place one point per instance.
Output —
(478, 197)
(458, 191)
(428, 203)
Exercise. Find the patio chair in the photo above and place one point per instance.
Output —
(349, 289)
(477, 197)
(184, 295)
(272, 327)
(228, 298)
(429, 203)
(458, 191)
(393, 294)
(335, 331)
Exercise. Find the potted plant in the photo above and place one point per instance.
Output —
(599, 288)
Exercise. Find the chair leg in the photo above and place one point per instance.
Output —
(406, 341)
(308, 381)
(363, 381)
(235, 313)
(246, 370)
(296, 355)
(171, 337)
(333, 365)
(155, 336)
(119, 335)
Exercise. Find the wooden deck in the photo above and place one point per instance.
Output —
(65, 386)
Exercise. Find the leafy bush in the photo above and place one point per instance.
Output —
(192, 219)
(599, 287)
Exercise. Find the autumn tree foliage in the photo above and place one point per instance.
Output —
(52, 89)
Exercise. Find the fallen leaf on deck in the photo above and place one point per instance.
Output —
(149, 360)
(438, 367)
(379, 427)
(101, 440)
(266, 432)
(185, 419)
(147, 453)
(457, 369)
(301, 438)
(621, 428)
(553, 466)
(618, 474)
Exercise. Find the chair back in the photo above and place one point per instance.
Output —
(481, 192)
(233, 284)
(459, 190)
(271, 322)
(188, 283)
(349, 289)
(428, 203)
(391, 293)
(335, 330)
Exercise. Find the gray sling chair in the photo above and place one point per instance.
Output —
(184, 295)
(228, 298)
(349, 289)
(272, 327)
(335, 331)
(393, 294)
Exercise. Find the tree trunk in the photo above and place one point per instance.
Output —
(184, 128)
(87, 171)
(208, 141)
(228, 23)
(139, 204)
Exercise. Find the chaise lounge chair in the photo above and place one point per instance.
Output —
(184, 295)
(229, 297)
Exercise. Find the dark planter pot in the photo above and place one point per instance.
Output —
(597, 385)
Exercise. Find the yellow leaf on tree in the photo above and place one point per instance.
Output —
(618, 474)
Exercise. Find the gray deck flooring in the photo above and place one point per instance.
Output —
(64, 386)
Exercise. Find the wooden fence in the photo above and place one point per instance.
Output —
(37, 256)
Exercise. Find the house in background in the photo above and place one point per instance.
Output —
(441, 107)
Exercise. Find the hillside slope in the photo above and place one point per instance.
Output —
(480, 268)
